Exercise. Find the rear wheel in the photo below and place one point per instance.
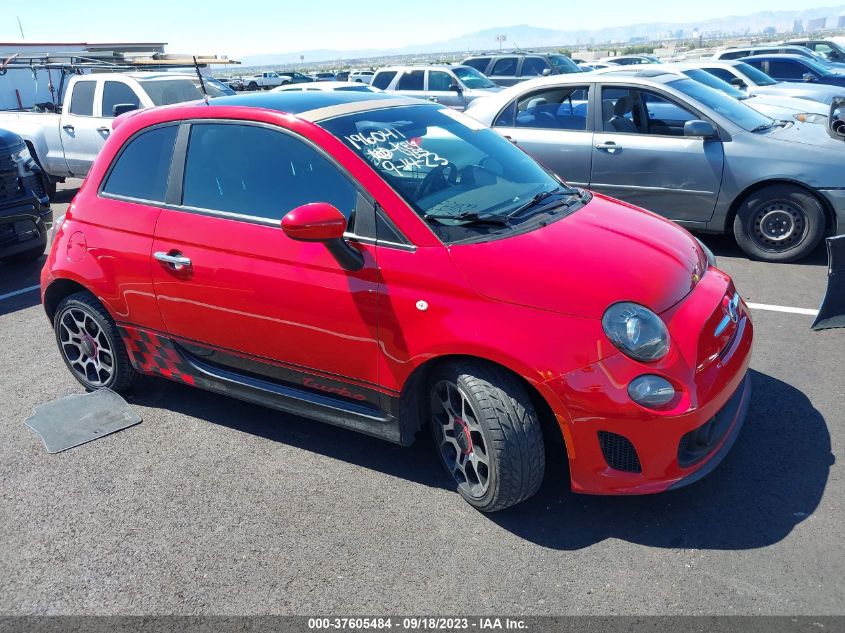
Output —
(779, 223)
(487, 434)
(90, 344)
(252, 86)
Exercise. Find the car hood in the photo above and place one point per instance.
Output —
(812, 134)
(605, 252)
(790, 104)
(814, 92)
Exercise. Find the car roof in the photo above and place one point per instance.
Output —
(302, 102)
(777, 56)
(399, 67)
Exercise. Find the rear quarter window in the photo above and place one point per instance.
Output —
(141, 168)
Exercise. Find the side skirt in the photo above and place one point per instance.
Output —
(154, 354)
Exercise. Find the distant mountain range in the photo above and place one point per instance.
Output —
(526, 36)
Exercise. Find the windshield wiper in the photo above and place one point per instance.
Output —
(537, 199)
(470, 217)
(764, 126)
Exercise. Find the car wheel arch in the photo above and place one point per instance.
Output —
(830, 218)
(414, 397)
(58, 290)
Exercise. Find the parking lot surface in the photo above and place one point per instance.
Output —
(215, 506)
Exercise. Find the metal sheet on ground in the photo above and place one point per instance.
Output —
(81, 418)
(832, 311)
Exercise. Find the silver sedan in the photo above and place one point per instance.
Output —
(683, 150)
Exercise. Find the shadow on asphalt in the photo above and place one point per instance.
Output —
(723, 245)
(773, 478)
(16, 276)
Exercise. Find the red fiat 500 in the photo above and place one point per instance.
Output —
(385, 265)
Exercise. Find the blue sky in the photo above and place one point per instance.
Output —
(271, 26)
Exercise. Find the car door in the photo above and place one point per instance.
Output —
(411, 83)
(551, 124)
(438, 87)
(259, 298)
(503, 71)
(641, 155)
(83, 130)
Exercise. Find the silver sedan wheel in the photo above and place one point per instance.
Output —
(779, 225)
(87, 348)
(460, 438)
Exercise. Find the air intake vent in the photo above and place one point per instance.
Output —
(619, 453)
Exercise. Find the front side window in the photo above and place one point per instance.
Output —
(82, 99)
(259, 172)
(786, 70)
(755, 74)
(721, 73)
(564, 64)
(118, 93)
(734, 54)
(635, 111)
(456, 173)
(439, 81)
(505, 67)
(703, 77)
(382, 79)
(141, 169)
(562, 108)
(533, 67)
(411, 80)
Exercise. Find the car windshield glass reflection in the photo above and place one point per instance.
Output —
(739, 113)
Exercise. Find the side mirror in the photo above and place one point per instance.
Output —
(456, 88)
(808, 77)
(315, 222)
(321, 222)
(123, 108)
(736, 82)
(546, 72)
(703, 129)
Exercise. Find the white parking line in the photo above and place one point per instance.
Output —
(9, 295)
(771, 308)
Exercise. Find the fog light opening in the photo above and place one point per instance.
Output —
(651, 391)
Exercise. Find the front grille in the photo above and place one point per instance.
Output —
(9, 183)
(619, 453)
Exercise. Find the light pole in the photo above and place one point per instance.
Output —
(500, 39)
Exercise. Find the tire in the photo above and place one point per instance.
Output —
(487, 434)
(779, 223)
(26, 256)
(81, 313)
(49, 187)
(252, 86)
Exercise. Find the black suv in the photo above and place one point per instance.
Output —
(25, 212)
(508, 69)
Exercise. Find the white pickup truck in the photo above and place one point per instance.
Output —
(265, 81)
(65, 143)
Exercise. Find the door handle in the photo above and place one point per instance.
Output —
(104, 129)
(174, 260)
(68, 128)
(433, 99)
(610, 146)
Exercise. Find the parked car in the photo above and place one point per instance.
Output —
(348, 246)
(631, 60)
(753, 81)
(343, 75)
(324, 76)
(590, 66)
(800, 51)
(781, 108)
(235, 83)
(266, 80)
(327, 86)
(794, 68)
(25, 213)
(361, 76)
(832, 51)
(685, 151)
(65, 143)
(455, 86)
(507, 69)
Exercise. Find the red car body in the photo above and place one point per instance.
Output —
(531, 303)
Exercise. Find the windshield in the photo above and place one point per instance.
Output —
(167, 91)
(472, 78)
(703, 77)
(757, 76)
(452, 170)
(563, 64)
(824, 71)
(728, 107)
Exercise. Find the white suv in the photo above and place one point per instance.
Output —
(361, 76)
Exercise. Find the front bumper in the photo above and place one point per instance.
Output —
(24, 225)
(616, 446)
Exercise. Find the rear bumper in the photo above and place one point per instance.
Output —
(23, 226)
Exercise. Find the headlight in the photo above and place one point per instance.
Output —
(636, 331)
(711, 258)
(24, 161)
(807, 117)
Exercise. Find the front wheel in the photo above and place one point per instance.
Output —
(91, 345)
(487, 434)
(779, 223)
(252, 86)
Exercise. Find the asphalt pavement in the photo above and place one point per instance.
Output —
(214, 506)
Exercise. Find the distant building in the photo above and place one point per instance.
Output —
(798, 26)
(840, 23)
(816, 24)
